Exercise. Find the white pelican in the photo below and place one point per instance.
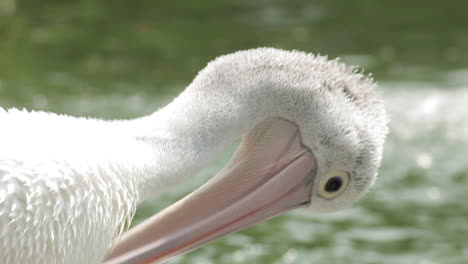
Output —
(313, 132)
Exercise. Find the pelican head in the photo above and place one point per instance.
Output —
(312, 133)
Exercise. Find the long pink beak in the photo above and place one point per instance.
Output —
(270, 174)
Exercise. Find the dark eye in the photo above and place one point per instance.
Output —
(334, 184)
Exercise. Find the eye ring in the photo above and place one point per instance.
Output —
(333, 184)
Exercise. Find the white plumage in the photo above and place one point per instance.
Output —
(69, 186)
(66, 188)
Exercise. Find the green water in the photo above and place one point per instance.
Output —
(123, 59)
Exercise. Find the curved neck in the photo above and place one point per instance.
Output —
(190, 133)
(226, 100)
(234, 93)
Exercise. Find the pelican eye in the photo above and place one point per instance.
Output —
(333, 184)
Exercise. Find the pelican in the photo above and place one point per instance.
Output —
(312, 134)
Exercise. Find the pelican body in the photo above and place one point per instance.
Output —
(312, 134)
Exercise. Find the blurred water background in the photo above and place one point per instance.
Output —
(123, 59)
